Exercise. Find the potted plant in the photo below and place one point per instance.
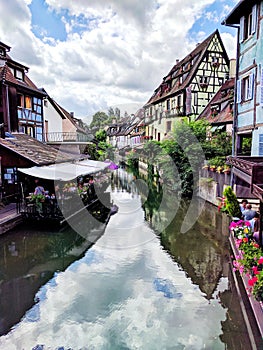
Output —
(206, 166)
(227, 169)
(212, 168)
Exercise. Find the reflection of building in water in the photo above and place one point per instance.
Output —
(27, 263)
(203, 260)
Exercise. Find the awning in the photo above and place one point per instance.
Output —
(65, 171)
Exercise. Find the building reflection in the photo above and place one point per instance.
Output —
(28, 259)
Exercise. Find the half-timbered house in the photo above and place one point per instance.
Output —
(21, 106)
(188, 87)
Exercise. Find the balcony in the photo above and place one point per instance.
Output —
(69, 137)
(249, 169)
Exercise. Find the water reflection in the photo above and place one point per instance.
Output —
(28, 259)
(132, 289)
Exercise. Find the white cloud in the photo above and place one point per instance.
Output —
(119, 54)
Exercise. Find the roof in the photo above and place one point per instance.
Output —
(7, 75)
(225, 95)
(65, 171)
(238, 11)
(33, 150)
(186, 67)
(65, 114)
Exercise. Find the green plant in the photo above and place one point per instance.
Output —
(231, 202)
(249, 261)
(38, 198)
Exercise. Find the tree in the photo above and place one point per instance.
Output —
(99, 120)
(101, 136)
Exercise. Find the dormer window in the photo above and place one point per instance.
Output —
(19, 74)
(2, 52)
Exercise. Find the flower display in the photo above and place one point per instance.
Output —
(249, 260)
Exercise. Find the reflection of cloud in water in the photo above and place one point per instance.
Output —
(116, 298)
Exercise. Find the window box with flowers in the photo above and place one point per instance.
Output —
(248, 261)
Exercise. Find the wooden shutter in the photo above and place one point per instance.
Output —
(261, 87)
(239, 97)
(241, 29)
(250, 86)
(254, 19)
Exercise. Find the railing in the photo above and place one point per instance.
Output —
(250, 169)
(246, 164)
(67, 137)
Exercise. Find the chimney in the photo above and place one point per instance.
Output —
(177, 60)
(72, 114)
(232, 68)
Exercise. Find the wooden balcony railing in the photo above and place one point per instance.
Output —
(250, 169)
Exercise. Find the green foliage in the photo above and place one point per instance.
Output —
(91, 150)
(217, 161)
(231, 202)
(99, 120)
(38, 198)
(221, 144)
(101, 136)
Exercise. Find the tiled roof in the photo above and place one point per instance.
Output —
(7, 75)
(33, 150)
(187, 66)
(224, 95)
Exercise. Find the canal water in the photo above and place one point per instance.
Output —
(124, 284)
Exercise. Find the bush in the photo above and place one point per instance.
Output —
(231, 202)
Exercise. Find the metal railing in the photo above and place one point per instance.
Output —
(67, 137)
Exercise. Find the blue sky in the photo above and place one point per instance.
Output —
(46, 22)
(90, 56)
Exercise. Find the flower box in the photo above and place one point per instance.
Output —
(248, 266)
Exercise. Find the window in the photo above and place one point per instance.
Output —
(248, 24)
(10, 175)
(204, 80)
(19, 74)
(168, 105)
(168, 126)
(179, 101)
(261, 88)
(20, 100)
(28, 102)
(245, 87)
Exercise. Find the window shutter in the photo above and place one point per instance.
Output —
(261, 88)
(260, 150)
(254, 19)
(239, 98)
(241, 29)
(251, 86)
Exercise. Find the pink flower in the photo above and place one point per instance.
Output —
(247, 223)
(232, 225)
(252, 281)
(260, 260)
(255, 270)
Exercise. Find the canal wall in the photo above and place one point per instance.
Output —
(212, 184)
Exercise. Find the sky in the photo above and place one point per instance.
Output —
(93, 55)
